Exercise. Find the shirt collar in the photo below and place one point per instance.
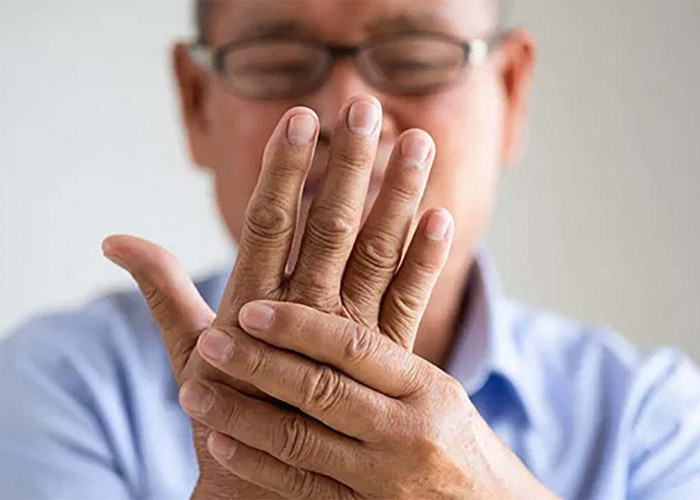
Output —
(486, 345)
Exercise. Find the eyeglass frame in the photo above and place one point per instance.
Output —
(212, 59)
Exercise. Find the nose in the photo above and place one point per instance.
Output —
(343, 83)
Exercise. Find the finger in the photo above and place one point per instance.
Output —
(176, 305)
(319, 391)
(365, 355)
(259, 468)
(336, 211)
(270, 218)
(290, 437)
(381, 242)
(408, 294)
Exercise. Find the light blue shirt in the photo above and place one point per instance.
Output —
(89, 403)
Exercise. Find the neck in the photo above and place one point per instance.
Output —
(443, 314)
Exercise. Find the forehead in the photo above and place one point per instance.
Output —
(349, 20)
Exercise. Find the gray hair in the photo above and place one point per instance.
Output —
(205, 8)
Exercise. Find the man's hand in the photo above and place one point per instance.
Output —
(340, 269)
(377, 421)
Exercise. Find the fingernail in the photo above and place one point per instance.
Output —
(415, 148)
(301, 129)
(106, 246)
(108, 252)
(438, 224)
(116, 260)
(221, 445)
(196, 397)
(216, 345)
(363, 117)
(257, 316)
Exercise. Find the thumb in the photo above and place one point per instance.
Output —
(175, 303)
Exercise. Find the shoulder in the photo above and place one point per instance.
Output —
(637, 408)
(94, 337)
(101, 359)
(572, 352)
(109, 333)
(90, 404)
(81, 361)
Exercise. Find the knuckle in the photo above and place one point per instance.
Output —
(233, 417)
(403, 312)
(417, 379)
(451, 389)
(305, 290)
(268, 222)
(355, 160)
(400, 334)
(300, 483)
(255, 364)
(361, 343)
(406, 302)
(260, 465)
(301, 322)
(323, 389)
(424, 268)
(157, 300)
(331, 226)
(287, 161)
(404, 193)
(358, 303)
(292, 446)
(444, 394)
(378, 253)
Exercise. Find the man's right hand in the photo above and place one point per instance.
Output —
(338, 270)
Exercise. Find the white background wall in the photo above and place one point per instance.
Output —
(599, 221)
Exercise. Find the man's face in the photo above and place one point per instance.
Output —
(474, 122)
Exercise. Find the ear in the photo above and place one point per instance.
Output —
(515, 60)
(192, 84)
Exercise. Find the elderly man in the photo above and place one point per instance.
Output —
(347, 355)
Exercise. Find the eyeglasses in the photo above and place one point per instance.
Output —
(287, 67)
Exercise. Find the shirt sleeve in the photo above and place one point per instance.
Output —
(53, 443)
(665, 461)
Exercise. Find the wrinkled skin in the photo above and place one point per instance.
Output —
(417, 430)
(477, 124)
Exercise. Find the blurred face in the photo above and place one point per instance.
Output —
(475, 122)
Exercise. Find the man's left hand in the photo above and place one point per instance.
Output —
(375, 420)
